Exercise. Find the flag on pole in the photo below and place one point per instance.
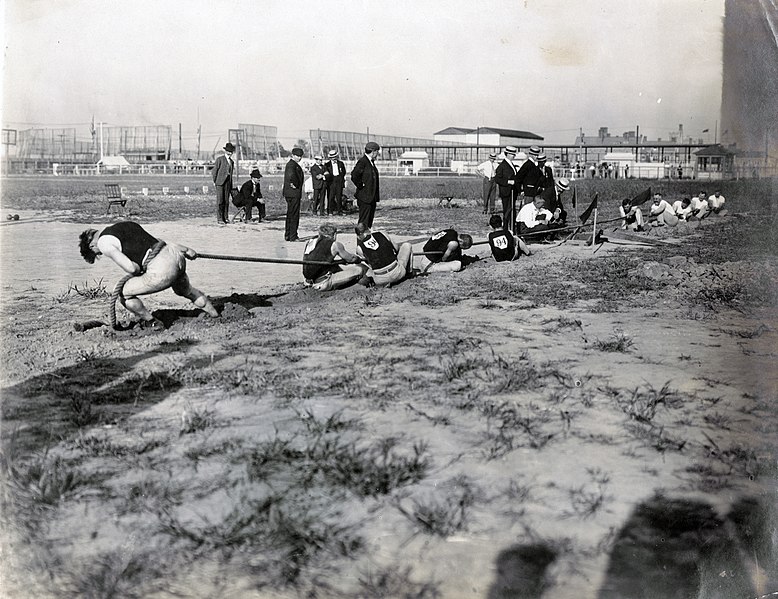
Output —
(574, 202)
(587, 213)
(705, 130)
(641, 198)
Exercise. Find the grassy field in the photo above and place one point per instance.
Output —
(575, 424)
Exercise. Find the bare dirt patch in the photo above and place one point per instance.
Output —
(574, 424)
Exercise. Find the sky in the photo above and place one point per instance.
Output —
(399, 67)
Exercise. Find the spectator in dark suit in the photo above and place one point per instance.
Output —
(552, 197)
(505, 177)
(251, 195)
(548, 172)
(319, 180)
(293, 191)
(365, 177)
(529, 179)
(222, 178)
(336, 181)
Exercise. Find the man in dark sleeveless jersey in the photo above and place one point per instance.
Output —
(443, 251)
(325, 248)
(389, 263)
(504, 245)
(128, 244)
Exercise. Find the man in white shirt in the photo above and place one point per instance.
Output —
(487, 170)
(663, 211)
(632, 216)
(683, 208)
(534, 221)
(699, 205)
(716, 202)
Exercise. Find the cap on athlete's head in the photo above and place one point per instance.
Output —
(465, 241)
(328, 230)
(85, 241)
(496, 221)
(362, 230)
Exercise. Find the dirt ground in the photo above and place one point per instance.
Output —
(575, 424)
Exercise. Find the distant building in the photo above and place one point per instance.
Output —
(714, 163)
(487, 136)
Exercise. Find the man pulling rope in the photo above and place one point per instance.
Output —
(152, 265)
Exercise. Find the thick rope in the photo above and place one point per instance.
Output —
(117, 290)
(266, 260)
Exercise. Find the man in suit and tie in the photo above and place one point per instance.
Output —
(293, 192)
(529, 179)
(222, 178)
(505, 177)
(548, 172)
(319, 180)
(365, 178)
(336, 181)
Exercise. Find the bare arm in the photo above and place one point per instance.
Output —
(111, 247)
(338, 251)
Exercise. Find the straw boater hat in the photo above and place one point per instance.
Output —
(317, 157)
(332, 154)
(533, 150)
(562, 184)
(542, 157)
(510, 150)
(492, 154)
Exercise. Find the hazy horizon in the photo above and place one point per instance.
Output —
(400, 68)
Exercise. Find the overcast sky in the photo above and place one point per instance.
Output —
(399, 67)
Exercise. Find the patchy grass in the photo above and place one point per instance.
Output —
(618, 342)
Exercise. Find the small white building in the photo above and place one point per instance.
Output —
(113, 163)
(412, 161)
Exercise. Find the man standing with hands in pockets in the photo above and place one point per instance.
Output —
(365, 178)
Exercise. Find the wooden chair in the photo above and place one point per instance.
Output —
(113, 194)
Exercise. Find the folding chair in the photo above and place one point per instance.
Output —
(113, 194)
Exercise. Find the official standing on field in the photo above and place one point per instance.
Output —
(529, 179)
(222, 178)
(365, 177)
(293, 192)
(505, 177)
(487, 170)
(336, 181)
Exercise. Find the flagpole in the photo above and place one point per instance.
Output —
(594, 232)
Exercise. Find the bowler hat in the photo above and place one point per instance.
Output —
(255, 174)
(297, 151)
(229, 147)
(371, 146)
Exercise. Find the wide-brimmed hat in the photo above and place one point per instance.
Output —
(229, 147)
(255, 174)
(562, 184)
(297, 151)
(332, 154)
